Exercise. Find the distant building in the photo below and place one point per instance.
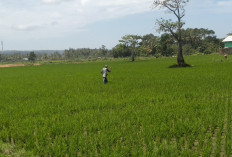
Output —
(25, 59)
(228, 42)
(227, 46)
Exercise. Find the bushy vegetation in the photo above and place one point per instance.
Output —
(195, 41)
(146, 109)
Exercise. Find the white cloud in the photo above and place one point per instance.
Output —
(43, 19)
(27, 27)
(74, 14)
(85, 2)
(71, 14)
(54, 1)
(49, 1)
(46, 19)
(107, 9)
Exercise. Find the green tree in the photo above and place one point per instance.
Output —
(103, 50)
(143, 51)
(32, 56)
(55, 56)
(201, 40)
(121, 50)
(131, 41)
(44, 56)
(149, 43)
(164, 47)
(175, 7)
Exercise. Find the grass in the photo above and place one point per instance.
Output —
(9, 150)
(146, 109)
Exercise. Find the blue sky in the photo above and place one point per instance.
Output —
(63, 24)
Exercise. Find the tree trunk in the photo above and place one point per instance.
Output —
(180, 58)
(133, 55)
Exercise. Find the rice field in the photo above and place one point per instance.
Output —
(146, 109)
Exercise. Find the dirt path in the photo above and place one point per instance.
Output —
(15, 65)
(11, 65)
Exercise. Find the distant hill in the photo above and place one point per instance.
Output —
(28, 51)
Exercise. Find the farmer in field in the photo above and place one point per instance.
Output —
(104, 74)
(225, 55)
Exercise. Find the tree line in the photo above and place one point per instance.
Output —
(194, 40)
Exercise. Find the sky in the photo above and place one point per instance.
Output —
(64, 24)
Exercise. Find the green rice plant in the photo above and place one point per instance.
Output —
(146, 109)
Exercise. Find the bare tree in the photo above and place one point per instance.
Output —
(175, 7)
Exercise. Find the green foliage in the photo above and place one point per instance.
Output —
(143, 51)
(146, 109)
(188, 50)
(85, 53)
(131, 42)
(141, 45)
(121, 50)
(207, 52)
(103, 51)
(201, 40)
(150, 42)
(165, 45)
(32, 56)
(193, 41)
